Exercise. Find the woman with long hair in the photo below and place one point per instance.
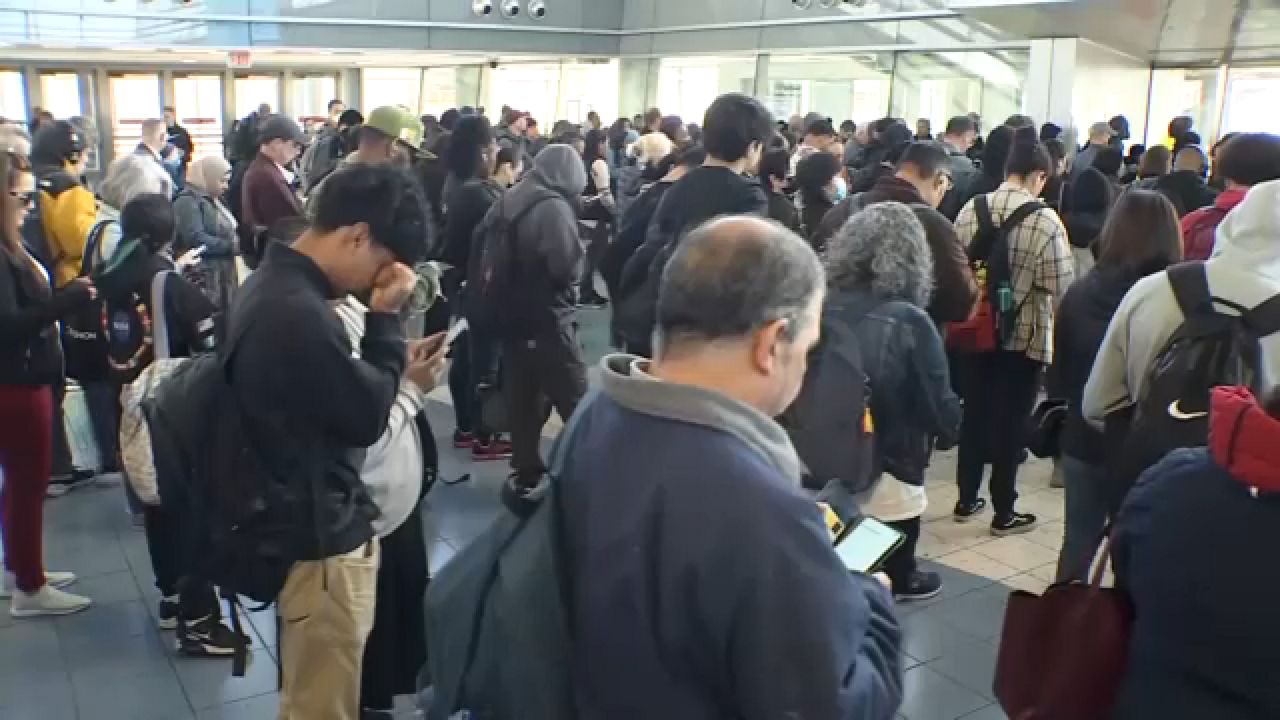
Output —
(598, 212)
(880, 271)
(999, 386)
(30, 367)
(1141, 237)
(471, 191)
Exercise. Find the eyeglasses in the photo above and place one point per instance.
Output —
(25, 198)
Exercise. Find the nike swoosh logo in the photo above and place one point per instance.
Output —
(1176, 412)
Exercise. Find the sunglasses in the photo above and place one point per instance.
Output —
(26, 199)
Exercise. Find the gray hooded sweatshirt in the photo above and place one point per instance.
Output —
(549, 250)
(1244, 269)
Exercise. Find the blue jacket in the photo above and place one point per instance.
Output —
(705, 586)
(1195, 548)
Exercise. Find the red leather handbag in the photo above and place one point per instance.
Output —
(1063, 654)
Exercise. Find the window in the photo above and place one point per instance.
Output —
(60, 93)
(841, 87)
(254, 90)
(687, 86)
(13, 96)
(390, 86)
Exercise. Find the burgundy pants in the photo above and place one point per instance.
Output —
(26, 451)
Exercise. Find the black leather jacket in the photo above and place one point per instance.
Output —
(911, 398)
(30, 349)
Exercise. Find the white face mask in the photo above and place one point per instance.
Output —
(841, 190)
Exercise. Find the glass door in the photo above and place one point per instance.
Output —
(252, 91)
(135, 98)
(197, 100)
(60, 93)
(310, 96)
(13, 96)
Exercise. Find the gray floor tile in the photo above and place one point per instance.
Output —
(931, 696)
(954, 584)
(208, 682)
(979, 613)
(262, 707)
(972, 664)
(108, 589)
(927, 637)
(120, 620)
(123, 694)
(990, 712)
(50, 698)
(89, 652)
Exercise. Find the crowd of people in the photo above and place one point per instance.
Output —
(959, 279)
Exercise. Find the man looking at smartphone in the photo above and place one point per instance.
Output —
(313, 408)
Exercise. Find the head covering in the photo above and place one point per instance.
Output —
(449, 119)
(206, 174)
(397, 123)
(56, 144)
(279, 127)
(561, 169)
(1091, 192)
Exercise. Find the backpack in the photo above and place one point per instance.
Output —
(498, 291)
(498, 615)
(32, 231)
(135, 434)
(1202, 233)
(835, 440)
(127, 329)
(238, 520)
(993, 323)
(84, 339)
(1210, 349)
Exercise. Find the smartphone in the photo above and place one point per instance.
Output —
(866, 545)
(457, 329)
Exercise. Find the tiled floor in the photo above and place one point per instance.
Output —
(111, 663)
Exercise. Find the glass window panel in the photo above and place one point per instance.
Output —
(937, 86)
(1250, 105)
(309, 97)
(589, 86)
(134, 99)
(533, 88)
(254, 90)
(439, 90)
(13, 96)
(197, 100)
(60, 94)
(390, 86)
(1182, 91)
(686, 86)
(842, 87)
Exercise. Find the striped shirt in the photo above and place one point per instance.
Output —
(1041, 263)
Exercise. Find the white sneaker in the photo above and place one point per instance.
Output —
(59, 580)
(48, 600)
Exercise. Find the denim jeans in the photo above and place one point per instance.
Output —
(1086, 506)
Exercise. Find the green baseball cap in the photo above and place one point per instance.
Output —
(396, 122)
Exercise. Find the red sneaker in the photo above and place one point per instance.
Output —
(493, 450)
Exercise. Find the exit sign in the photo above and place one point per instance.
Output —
(239, 59)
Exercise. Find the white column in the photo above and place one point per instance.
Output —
(1050, 79)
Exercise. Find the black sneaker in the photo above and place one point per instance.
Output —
(1012, 524)
(60, 485)
(208, 638)
(921, 586)
(167, 617)
(965, 512)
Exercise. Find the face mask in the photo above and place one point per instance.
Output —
(841, 190)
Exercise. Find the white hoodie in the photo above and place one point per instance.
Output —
(1244, 269)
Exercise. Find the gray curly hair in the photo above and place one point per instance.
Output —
(883, 249)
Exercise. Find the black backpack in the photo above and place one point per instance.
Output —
(126, 327)
(835, 439)
(993, 324)
(84, 336)
(499, 293)
(1210, 349)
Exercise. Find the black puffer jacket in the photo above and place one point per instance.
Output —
(1082, 321)
(30, 350)
(468, 203)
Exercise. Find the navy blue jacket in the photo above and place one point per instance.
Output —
(1195, 548)
(705, 585)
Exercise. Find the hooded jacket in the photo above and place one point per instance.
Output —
(1191, 545)
(1200, 228)
(705, 585)
(1187, 189)
(954, 289)
(548, 249)
(1244, 270)
(1087, 213)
